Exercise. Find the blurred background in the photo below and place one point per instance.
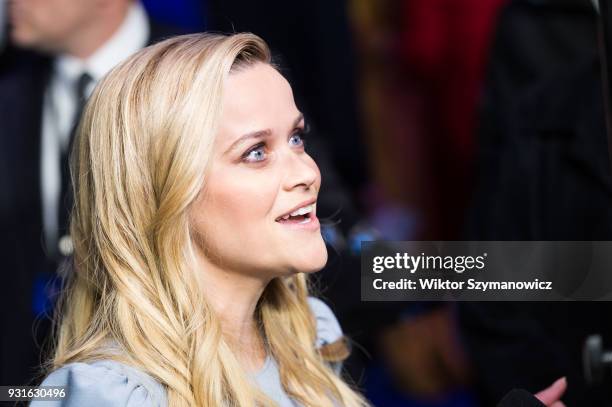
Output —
(431, 120)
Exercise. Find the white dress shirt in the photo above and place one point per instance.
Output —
(59, 106)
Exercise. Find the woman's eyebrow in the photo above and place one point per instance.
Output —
(254, 135)
(260, 134)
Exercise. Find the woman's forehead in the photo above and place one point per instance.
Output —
(256, 89)
(256, 98)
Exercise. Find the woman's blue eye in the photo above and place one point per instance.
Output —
(258, 152)
(297, 140)
(255, 155)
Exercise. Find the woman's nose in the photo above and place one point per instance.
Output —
(300, 171)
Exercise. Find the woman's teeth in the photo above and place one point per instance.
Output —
(296, 219)
(298, 214)
(303, 210)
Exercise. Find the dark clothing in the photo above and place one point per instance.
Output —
(546, 178)
(549, 178)
(543, 175)
(21, 102)
(534, 41)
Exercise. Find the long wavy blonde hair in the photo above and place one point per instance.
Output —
(138, 162)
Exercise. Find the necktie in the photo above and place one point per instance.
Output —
(64, 246)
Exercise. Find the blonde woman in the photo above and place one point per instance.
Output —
(194, 230)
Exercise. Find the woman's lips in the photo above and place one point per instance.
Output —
(309, 223)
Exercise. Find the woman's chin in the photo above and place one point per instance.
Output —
(318, 261)
(310, 261)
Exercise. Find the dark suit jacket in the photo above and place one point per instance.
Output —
(547, 178)
(23, 79)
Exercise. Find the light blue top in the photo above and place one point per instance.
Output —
(108, 383)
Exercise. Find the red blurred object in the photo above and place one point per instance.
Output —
(444, 48)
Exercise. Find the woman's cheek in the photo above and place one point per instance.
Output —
(250, 199)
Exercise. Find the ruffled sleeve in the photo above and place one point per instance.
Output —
(330, 339)
(104, 384)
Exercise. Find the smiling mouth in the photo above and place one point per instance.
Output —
(302, 215)
(298, 219)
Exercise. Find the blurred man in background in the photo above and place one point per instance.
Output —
(61, 49)
(544, 175)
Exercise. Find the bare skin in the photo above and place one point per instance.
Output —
(71, 27)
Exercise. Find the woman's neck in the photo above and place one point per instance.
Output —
(234, 297)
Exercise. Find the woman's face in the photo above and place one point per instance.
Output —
(260, 174)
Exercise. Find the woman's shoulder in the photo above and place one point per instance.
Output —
(105, 383)
(328, 328)
(331, 342)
